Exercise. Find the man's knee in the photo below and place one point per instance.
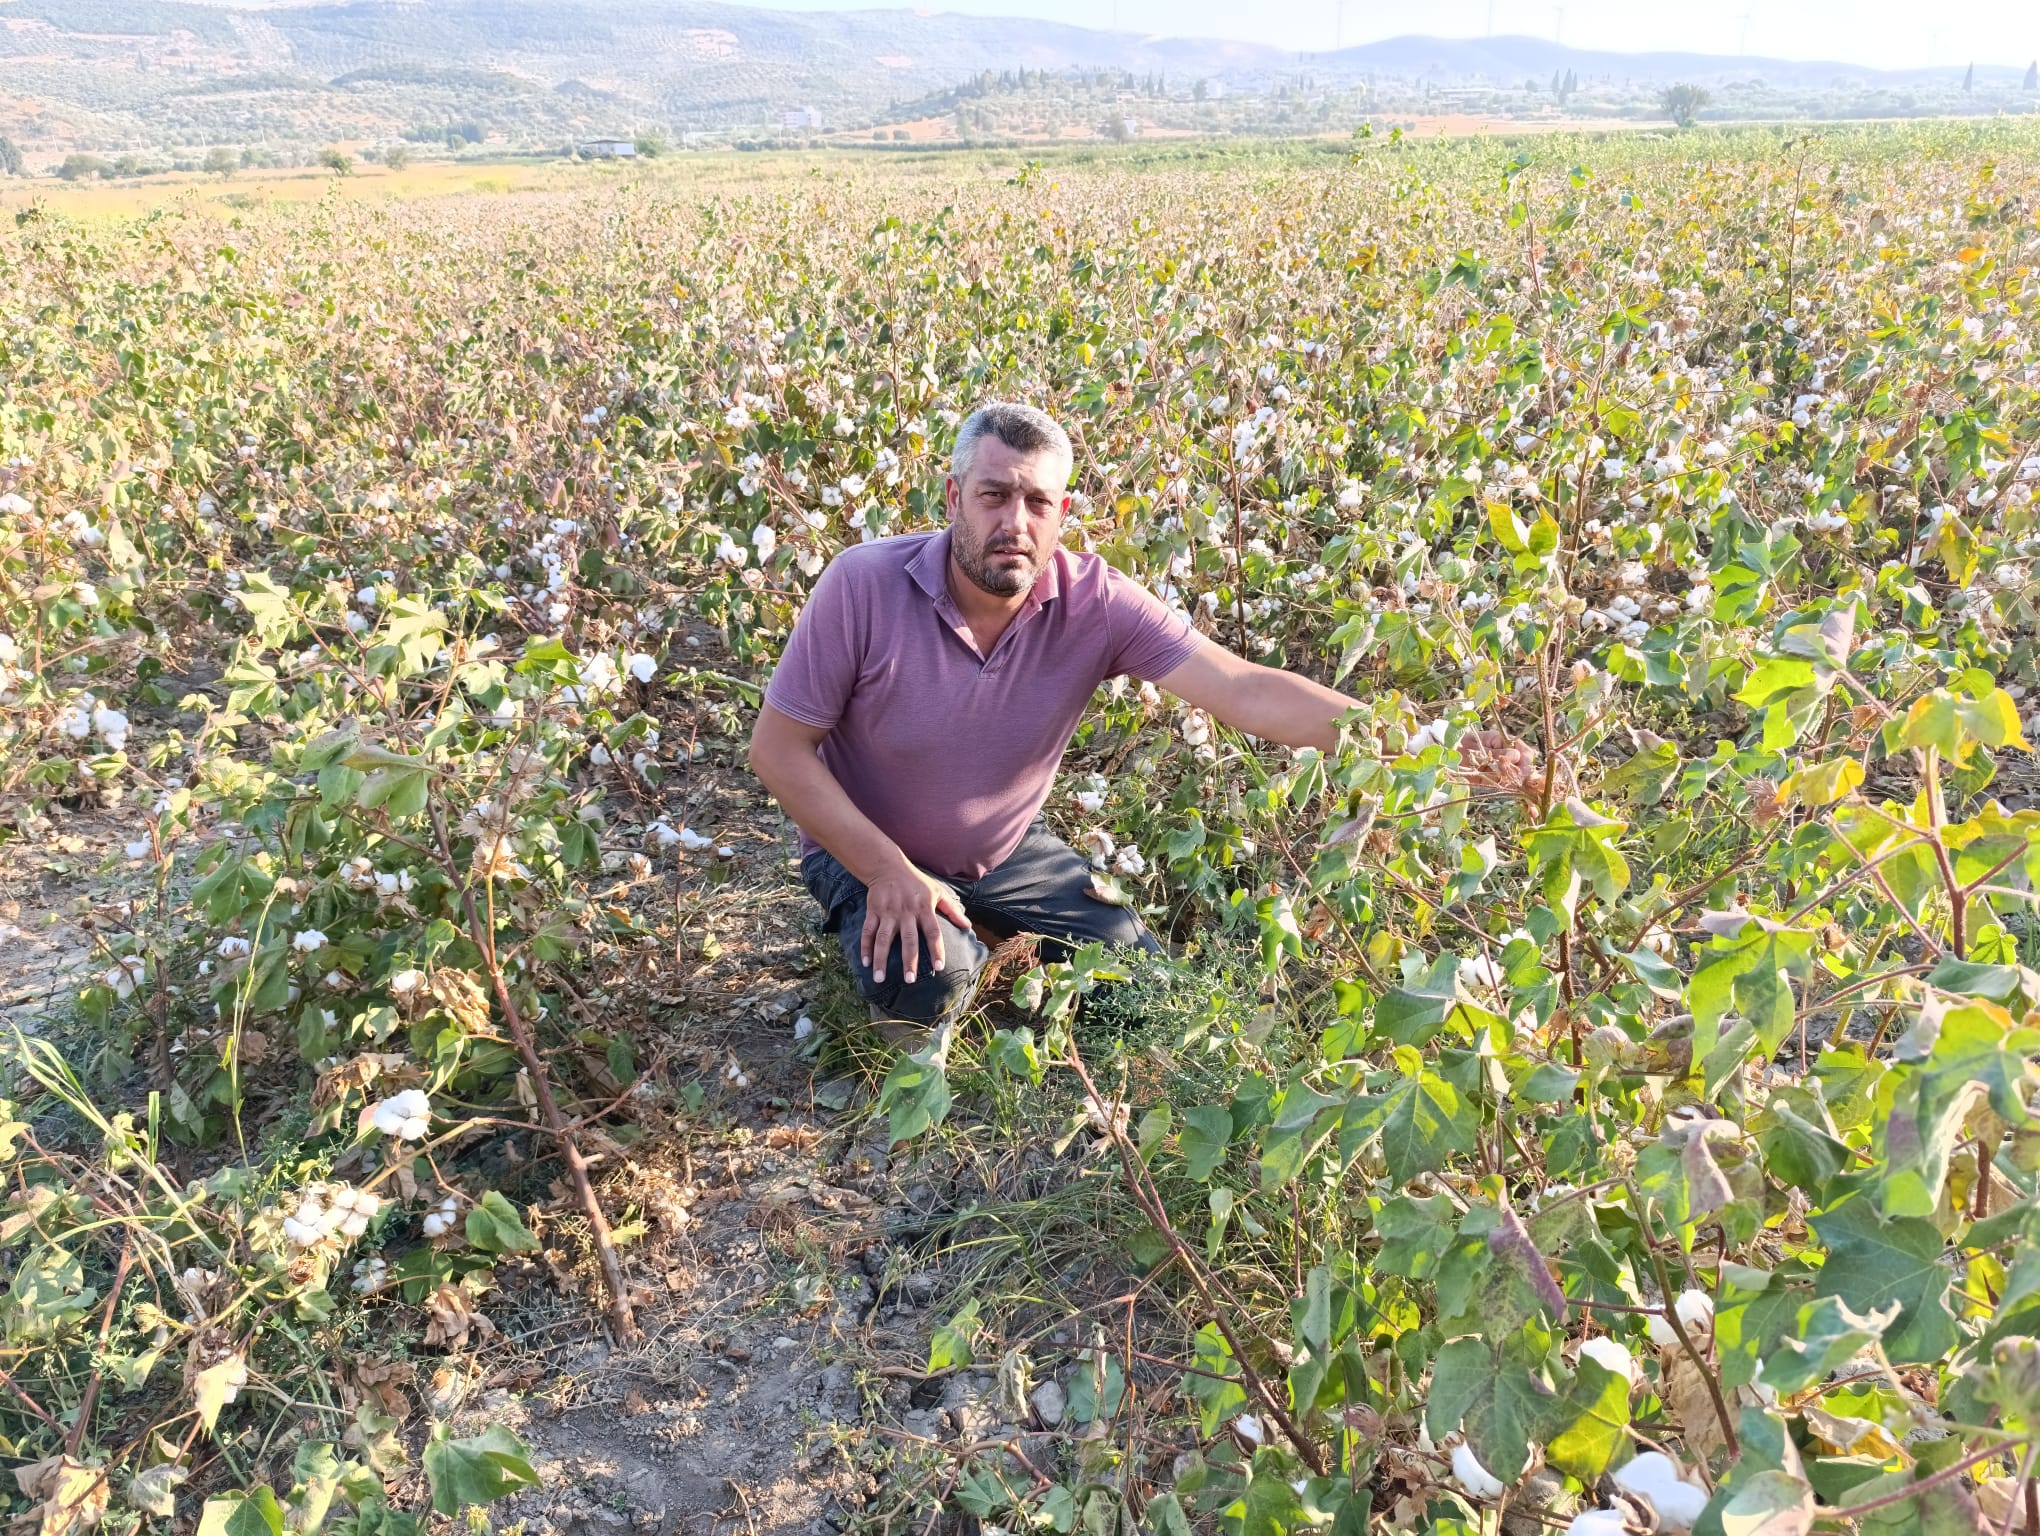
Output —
(927, 999)
(935, 990)
(1114, 927)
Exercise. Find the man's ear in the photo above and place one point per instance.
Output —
(952, 493)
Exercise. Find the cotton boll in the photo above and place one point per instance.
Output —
(1479, 972)
(406, 1116)
(1696, 1310)
(1655, 1476)
(126, 975)
(641, 667)
(1472, 1476)
(441, 1218)
(1598, 1522)
(234, 948)
(309, 941)
(1248, 1428)
(1611, 1356)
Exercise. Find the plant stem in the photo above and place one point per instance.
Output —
(1947, 1474)
(622, 1320)
(1671, 1316)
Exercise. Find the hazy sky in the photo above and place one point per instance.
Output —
(1883, 33)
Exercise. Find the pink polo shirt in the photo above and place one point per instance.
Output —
(949, 752)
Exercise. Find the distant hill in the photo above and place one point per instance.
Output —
(149, 74)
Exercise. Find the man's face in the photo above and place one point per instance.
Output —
(1006, 519)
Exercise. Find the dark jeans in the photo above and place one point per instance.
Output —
(1041, 888)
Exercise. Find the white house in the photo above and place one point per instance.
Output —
(609, 149)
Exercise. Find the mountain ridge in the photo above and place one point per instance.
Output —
(118, 71)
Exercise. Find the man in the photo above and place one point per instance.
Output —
(916, 720)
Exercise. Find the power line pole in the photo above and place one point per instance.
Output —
(1558, 35)
(1490, 18)
(1742, 48)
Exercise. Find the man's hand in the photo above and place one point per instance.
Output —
(900, 902)
(904, 905)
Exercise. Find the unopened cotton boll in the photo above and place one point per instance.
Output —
(1655, 1476)
(1472, 1476)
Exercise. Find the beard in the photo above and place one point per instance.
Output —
(1009, 578)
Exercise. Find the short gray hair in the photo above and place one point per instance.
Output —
(1020, 427)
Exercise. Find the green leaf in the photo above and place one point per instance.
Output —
(1591, 1422)
(1495, 1400)
(1165, 1516)
(1970, 1052)
(1575, 846)
(1207, 1131)
(475, 1470)
(1825, 1334)
(1873, 1263)
(1421, 1122)
(954, 1342)
(1271, 1507)
(1821, 784)
(254, 1513)
(1749, 972)
(1215, 1387)
(915, 1094)
(1772, 1503)
(1955, 725)
(493, 1227)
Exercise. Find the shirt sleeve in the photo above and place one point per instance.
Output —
(817, 671)
(1148, 641)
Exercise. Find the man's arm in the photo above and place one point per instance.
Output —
(1275, 705)
(900, 901)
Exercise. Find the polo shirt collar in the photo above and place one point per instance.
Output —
(930, 570)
